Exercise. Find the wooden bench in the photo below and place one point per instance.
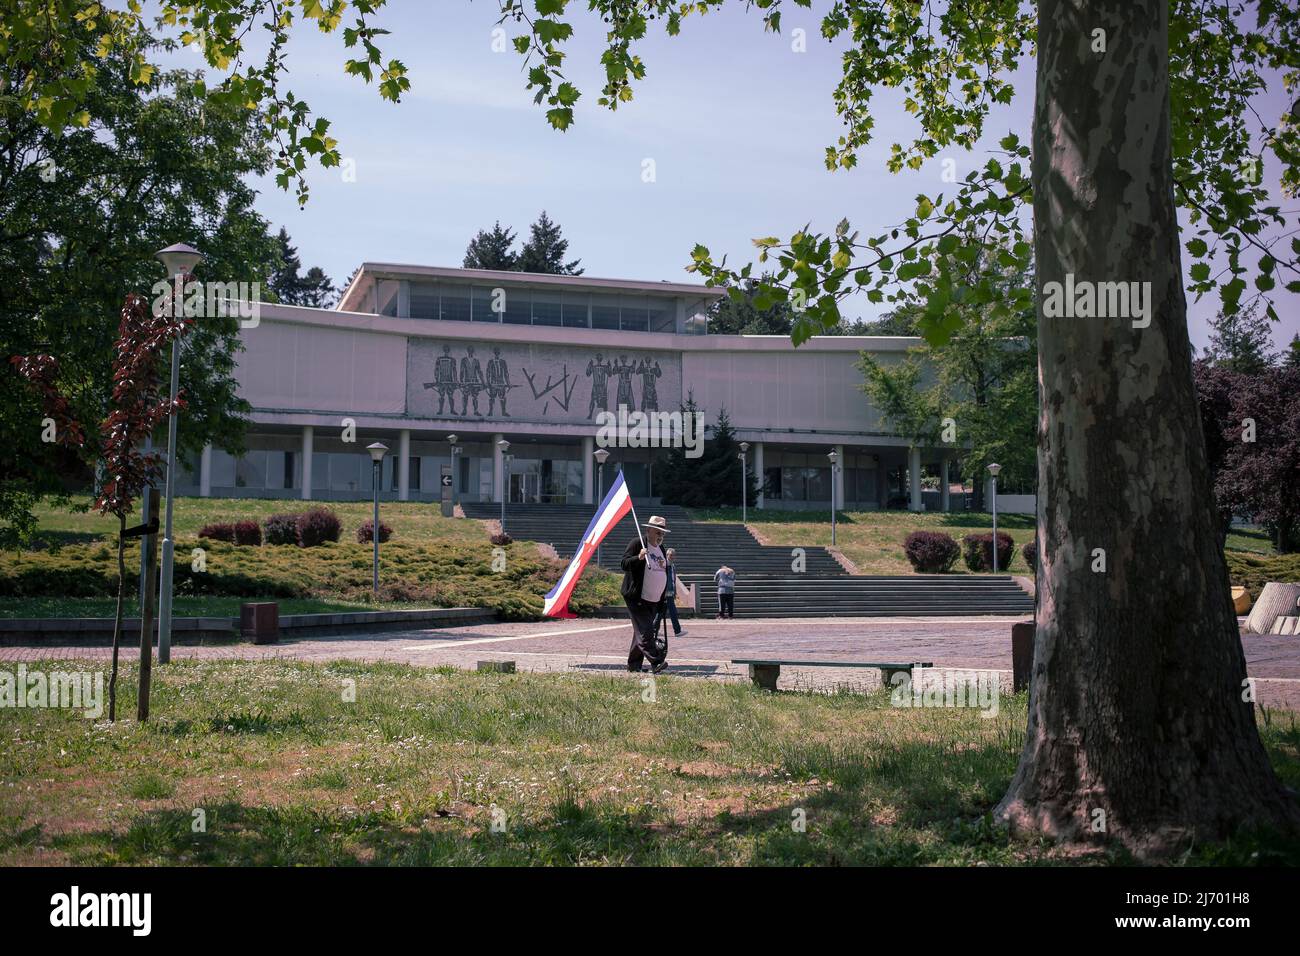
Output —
(764, 672)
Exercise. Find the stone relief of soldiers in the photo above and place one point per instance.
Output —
(624, 369)
(649, 391)
(598, 370)
(498, 383)
(444, 380)
(471, 382)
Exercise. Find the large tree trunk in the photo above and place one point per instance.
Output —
(1138, 707)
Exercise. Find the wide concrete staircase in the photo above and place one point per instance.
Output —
(767, 584)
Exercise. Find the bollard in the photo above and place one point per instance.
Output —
(260, 622)
(1022, 655)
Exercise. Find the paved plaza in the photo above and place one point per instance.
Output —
(599, 646)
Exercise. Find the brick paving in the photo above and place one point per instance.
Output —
(600, 646)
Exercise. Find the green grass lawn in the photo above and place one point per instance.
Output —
(430, 562)
(582, 769)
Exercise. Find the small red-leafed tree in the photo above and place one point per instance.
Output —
(139, 406)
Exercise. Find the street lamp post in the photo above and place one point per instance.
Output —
(377, 452)
(178, 260)
(451, 440)
(834, 468)
(600, 455)
(744, 484)
(505, 479)
(993, 500)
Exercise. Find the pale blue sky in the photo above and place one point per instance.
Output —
(735, 121)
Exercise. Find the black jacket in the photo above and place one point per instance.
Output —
(633, 570)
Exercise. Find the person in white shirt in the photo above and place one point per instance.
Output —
(645, 584)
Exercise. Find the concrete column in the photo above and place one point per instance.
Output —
(758, 471)
(404, 465)
(306, 462)
(838, 477)
(588, 470)
(882, 482)
(943, 486)
(205, 472)
(498, 471)
(914, 478)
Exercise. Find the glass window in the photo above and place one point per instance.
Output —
(604, 311)
(250, 471)
(792, 484)
(633, 313)
(454, 303)
(663, 314)
(345, 472)
(575, 308)
(482, 305)
(773, 478)
(519, 306)
(424, 300)
(386, 296)
(275, 470)
(819, 483)
(547, 309)
(223, 469)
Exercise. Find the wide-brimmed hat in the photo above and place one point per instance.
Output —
(658, 522)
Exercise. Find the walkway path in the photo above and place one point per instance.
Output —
(600, 646)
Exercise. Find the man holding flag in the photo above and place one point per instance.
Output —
(645, 585)
(645, 575)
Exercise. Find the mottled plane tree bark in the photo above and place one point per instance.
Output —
(1140, 718)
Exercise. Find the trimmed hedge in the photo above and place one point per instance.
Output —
(318, 525)
(931, 552)
(1252, 571)
(281, 529)
(248, 533)
(977, 550)
(366, 532)
(218, 532)
(502, 537)
(1029, 551)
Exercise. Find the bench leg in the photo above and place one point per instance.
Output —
(764, 675)
(887, 675)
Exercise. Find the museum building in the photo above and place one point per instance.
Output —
(412, 355)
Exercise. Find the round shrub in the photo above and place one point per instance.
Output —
(366, 532)
(931, 552)
(281, 529)
(318, 525)
(248, 532)
(500, 537)
(977, 551)
(218, 532)
(1029, 551)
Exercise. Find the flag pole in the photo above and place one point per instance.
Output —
(635, 519)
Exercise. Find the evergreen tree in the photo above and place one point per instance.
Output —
(711, 480)
(491, 250)
(545, 250)
(314, 289)
(1291, 357)
(1241, 342)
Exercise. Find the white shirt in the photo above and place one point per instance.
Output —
(656, 574)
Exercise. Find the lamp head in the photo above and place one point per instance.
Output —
(833, 455)
(994, 469)
(503, 445)
(377, 451)
(744, 447)
(601, 455)
(451, 439)
(179, 259)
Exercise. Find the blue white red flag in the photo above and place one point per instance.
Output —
(617, 503)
